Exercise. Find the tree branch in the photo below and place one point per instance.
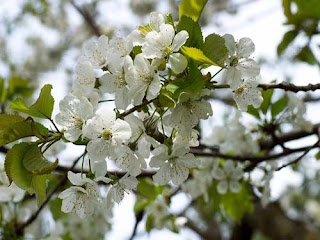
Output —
(135, 108)
(286, 86)
(88, 19)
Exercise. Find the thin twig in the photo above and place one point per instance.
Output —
(135, 108)
(300, 157)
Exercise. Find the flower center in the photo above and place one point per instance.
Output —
(106, 134)
(167, 50)
(77, 122)
(240, 90)
(234, 61)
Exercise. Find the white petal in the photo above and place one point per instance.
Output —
(245, 47)
(121, 131)
(248, 68)
(233, 77)
(179, 40)
(230, 43)
(235, 186)
(222, 187)
(178, 62)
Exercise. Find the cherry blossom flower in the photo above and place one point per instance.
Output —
(166, 44)
(248, 94)
(125, 184)
(97, 52)
(239, 65)
(81, 198)
(74, 113)
(143, 80)
(174, 165)
(228, 177)
(106, 133)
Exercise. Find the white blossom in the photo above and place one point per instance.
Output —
(74, 113)
(120, 47)
(85, 79)
(297, 110)
(97, 52)
(143, 81)
(228, 177)
(124, 185)
(138, 35)
(248, 94)
(81, 198)
(114, 81)
(174, 165)
(106, 133)
(239, 65)
(166, 44)
(187, 114)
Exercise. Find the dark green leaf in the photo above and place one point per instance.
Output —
(19, 86)
(195, 35)
(166, 99)
(35, 162)
(306, 55)
(42, 108)
(14, 127)
(215, 49)
(253, 111)
(279, 106)
(288, 37)
(266, 95)
(237, 204)
(191, 8)
(149, 223)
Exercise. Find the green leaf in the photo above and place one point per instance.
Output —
(266, 95)
(253, 111)
(140, 205)
(147, 189)
(237, 204)
(55, 208)
(35, 162)
(195, 34)
(215, 49)
(288, 38)
(193, 84)
(191, 8)
(42, 108)
(279, 106)
(149, 223)
(19, 86)
(14, 127)
(17, 172)
(15, 169)
(306, 55)
(197, 55)
(39, 186)
(169, 19)
(2, 90)
(166, 99)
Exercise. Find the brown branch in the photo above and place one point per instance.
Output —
(135, 108)
(286, 86)
(300, 157)
(290, 87)
(62, 181)
(88, 19)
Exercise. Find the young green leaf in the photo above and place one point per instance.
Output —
(192, 8)
(195, 34)
(166, 99)
(287, 38)
(14, 127)
(197, 55)
(266, 95)
(42, 108)
(215, 49)
(19, 174)
(35, 162)
(279, 106)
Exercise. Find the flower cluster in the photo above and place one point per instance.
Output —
(136, 70)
